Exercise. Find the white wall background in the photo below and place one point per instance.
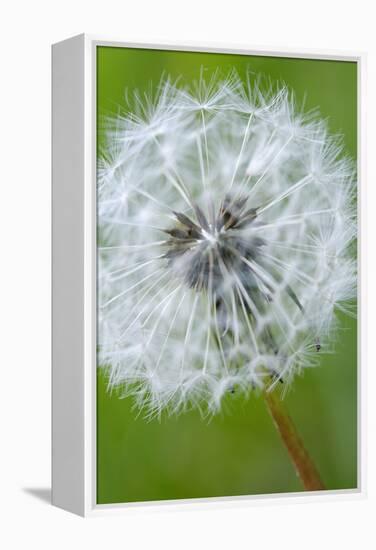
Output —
(27, 30)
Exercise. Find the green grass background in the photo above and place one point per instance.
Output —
(237, 452)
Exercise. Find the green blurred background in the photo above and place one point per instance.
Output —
(238, 452)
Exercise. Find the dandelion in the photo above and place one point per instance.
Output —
(226, 220)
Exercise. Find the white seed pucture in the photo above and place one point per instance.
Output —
(226, 223)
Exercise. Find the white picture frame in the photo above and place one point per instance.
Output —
(74, 274)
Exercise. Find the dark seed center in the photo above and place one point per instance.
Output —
(208, 253)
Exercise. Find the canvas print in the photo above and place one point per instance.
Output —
(226, 275)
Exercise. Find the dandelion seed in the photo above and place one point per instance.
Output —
(254, 202)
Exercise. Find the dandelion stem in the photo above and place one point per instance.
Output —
(304, 466)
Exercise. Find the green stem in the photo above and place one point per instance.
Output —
(303, 463)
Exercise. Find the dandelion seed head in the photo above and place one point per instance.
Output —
(226, 221)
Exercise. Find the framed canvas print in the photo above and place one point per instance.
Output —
(206, 297)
